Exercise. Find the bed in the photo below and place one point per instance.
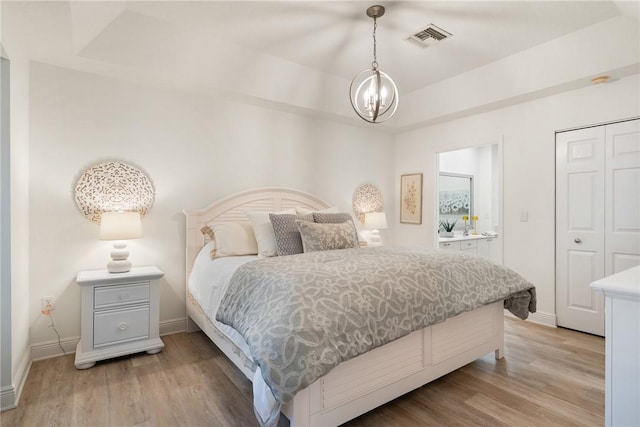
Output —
(368, 380)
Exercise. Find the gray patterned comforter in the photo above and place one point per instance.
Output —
(304, 314)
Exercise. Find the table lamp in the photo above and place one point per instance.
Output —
(120, 226)
(375, 221)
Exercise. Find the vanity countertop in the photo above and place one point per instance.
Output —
(459, 237)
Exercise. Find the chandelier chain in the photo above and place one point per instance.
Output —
(374, 64)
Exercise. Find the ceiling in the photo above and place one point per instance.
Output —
(334, 37)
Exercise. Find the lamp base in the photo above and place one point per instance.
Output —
(375, 238)
(119, 266)
(119, 262)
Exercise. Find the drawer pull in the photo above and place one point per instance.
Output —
(122, 326)
(124, 296)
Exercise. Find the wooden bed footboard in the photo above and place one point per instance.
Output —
(381, 375)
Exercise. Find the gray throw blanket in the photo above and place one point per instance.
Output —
(302, 315)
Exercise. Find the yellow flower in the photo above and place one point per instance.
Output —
(465, 217)
(475, 217)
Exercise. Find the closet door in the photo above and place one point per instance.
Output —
(580, 160)
(622, 192)
(597, 217)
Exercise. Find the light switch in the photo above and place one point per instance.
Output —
(524, 216)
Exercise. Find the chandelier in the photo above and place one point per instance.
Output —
(373, 95)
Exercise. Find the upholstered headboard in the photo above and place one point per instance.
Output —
(232, 209)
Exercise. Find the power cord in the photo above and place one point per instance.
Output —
(47, 312)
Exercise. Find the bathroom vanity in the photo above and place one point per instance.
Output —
(485, 246)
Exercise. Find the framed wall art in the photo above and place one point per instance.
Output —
(411, 198)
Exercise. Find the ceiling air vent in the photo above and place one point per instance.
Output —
(429, 36)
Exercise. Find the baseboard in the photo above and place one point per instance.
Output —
(10, 395)
(49, 349)
(541, 318)
(173, 326)
(20, 377)
(7, 398)
(546, 319)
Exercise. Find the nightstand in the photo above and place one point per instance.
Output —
(120, 314)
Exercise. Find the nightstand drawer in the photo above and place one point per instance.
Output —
(468, 244)
(117, 326)
(112, 296)
(452, 246)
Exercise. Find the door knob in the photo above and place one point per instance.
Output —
(577, 240)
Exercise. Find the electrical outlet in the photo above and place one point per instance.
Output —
(47, 304)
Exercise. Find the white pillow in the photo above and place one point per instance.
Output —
(234, 238)
(263, 231)
(304, 211)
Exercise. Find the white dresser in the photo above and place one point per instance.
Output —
(120, 314)
(622, 346)
(485, 246)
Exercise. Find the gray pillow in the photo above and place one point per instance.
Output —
(335, 218)
(285, 229)
(331, 218)
(325, 237)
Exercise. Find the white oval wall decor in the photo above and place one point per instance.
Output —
(113, 186)
(366, 198)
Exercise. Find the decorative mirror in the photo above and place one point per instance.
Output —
(113, 186)
(455, 194)
(367, 198)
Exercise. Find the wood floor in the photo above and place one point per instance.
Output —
(549, 377)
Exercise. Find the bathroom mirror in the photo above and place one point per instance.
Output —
(455, 193)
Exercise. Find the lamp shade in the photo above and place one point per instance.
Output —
(375, 220)
(120, 226)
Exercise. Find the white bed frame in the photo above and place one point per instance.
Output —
(369, 380)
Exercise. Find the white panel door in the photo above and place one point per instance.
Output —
(622, 192)
(580, 158)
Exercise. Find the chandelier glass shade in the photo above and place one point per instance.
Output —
(373, 94)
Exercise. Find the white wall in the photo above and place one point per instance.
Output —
(20, 113)
(194, 148)
(527, 134)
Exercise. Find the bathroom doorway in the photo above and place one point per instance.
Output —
(469, 200)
